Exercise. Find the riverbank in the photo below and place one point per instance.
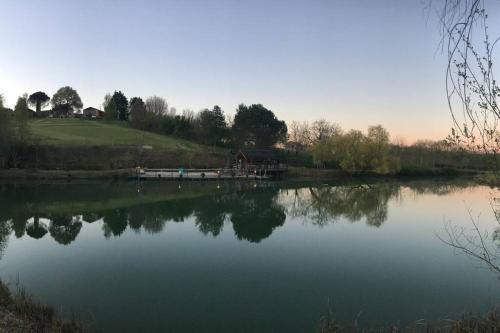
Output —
(20, 313)
(34, 174)
(489, 322)
(293, 173)
(301, 173)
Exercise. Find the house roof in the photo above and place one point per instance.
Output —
(92, 108)
(259, 154)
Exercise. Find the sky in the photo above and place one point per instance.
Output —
(356, 63)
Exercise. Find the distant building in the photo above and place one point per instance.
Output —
(259, 161)
(93, 113)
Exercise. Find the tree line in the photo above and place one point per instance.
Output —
(323, 144)
(352, 151)
(320, 143)
(252, 126)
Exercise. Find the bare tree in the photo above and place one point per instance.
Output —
(172, 112)
(472, 93)
(107, 100)
(472, 90)
(321, 130)
(188, 114)
(157, 105)
(476, 243)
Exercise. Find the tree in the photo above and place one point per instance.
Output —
(188, 114)
(157, 106)
(110, 111)
(351, 151)
(256, 126)
(121, 104)
(39, 100)
(323, 130)
(66, 101)
(472, 91)
(6, 133)
(213, 127)
(138, 113)
(21, 116)
(471, 86)
(300, 135)
(355, 152)
(107, 99)
(378, 149)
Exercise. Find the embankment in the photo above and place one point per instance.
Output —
(113, 157)
(19, 313)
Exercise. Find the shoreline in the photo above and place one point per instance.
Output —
(19, 312)
(293, 173)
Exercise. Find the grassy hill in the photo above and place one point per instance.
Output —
(80, 132)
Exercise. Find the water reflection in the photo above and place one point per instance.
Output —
(253, 210)
(356, 202)
(64, 228)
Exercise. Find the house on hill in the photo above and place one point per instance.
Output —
(259, 161)
(91, 112)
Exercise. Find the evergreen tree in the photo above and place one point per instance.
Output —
(213, 127)
(138, 114)
(121, 104)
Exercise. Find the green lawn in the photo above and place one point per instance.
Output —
(77, 132)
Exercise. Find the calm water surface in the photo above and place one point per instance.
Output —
(244, 257)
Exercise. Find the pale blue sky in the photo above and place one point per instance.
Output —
(353, 62)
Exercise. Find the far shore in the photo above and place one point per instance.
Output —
(293, 173)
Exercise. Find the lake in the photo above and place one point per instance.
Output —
(245, 257)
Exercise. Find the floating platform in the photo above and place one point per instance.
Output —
(196, 174)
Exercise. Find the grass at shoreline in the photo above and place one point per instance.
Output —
(20, 313)
(487, 323)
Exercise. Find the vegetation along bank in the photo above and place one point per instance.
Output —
(66, 142)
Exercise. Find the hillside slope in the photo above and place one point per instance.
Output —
(80, 132)
(78, 144)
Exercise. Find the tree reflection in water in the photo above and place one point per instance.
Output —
(253, 212)
(64, 228)
(36, 229)
(323, 205)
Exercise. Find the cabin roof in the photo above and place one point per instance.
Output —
(259, 154)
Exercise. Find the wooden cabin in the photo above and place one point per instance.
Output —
(259, 161)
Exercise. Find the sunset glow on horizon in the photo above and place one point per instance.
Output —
(356, 63)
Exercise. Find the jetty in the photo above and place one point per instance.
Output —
(197, 174)
(247, 164)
